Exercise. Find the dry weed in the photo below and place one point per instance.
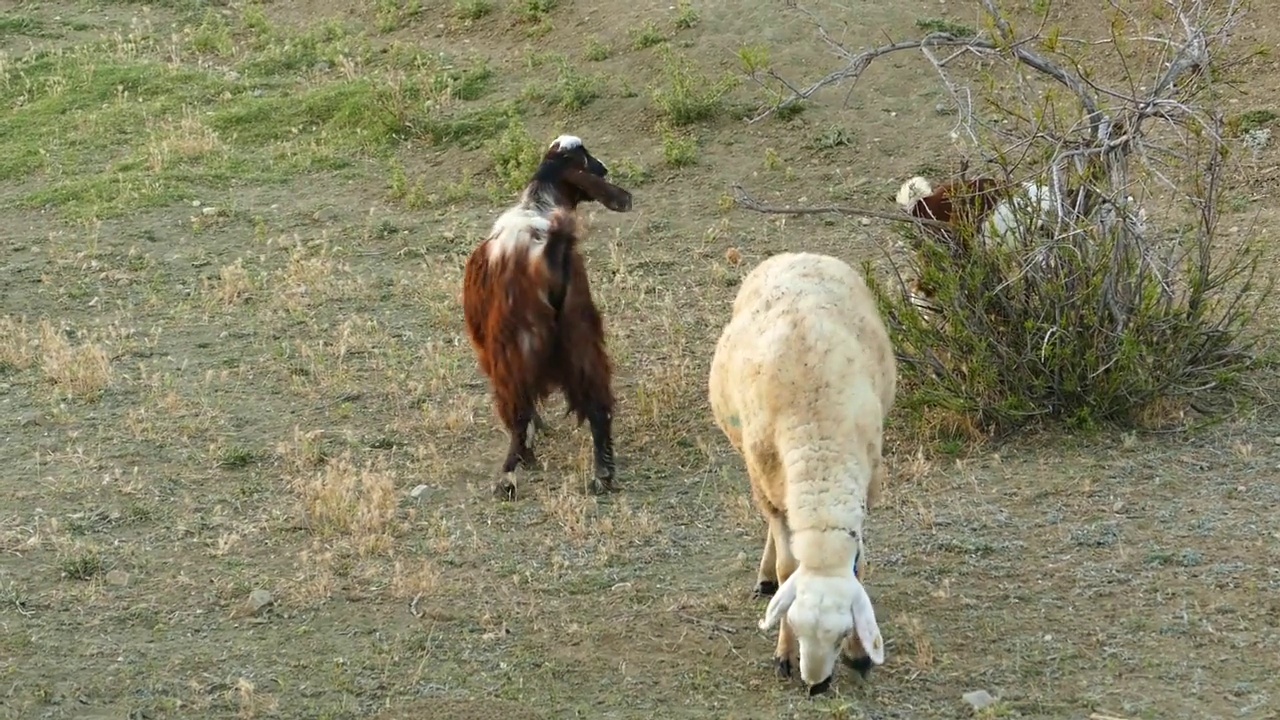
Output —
(82, 371)
(233, 285)
(354, 502)
(17, 349)
(418, 578)
(178, 141)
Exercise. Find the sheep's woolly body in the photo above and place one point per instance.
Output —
(803, 367)
(801, 380)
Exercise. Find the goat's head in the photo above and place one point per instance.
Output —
(580, 175)
(912, 191)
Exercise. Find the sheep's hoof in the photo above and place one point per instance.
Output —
(783, 666)
(861, 664)
(821, 687)
(505, 488)
(765, 588)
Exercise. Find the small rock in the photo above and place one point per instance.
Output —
(979, 699)
(210, 211)
(119, 578)
(417, 491)
(258, 601)
(1117, 507)
(865, 221)
(29, 419)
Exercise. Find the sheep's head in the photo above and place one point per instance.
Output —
(912, 191)
(580, 175)
(823, 610)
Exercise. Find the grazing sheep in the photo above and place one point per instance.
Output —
(802, 378)
(529, 312)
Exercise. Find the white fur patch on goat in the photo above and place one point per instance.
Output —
(519, 228)
(912, 190)
(567, 142)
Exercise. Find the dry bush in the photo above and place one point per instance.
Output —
(1084, 312)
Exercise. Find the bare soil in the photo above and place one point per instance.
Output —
(285, 370)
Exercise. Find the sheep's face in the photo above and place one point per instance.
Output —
(823, 611)
(575, 155)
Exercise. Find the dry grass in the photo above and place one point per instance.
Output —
(17, 349)
(81, 371)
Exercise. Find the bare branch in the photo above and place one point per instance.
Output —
(743, 199)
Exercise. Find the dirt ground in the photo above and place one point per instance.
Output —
(246, 453)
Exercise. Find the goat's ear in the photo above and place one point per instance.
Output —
(779, 603)
(864, 624)
(600, 190)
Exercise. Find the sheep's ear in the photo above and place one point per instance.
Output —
(864, 624)
(600, 190)
(779, 603)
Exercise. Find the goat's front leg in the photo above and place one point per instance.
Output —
(519, 451)
(786, 656)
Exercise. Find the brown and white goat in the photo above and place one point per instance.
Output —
(529, 312)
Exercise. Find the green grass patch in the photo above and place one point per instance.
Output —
(115, 126)
(26, 26)
(687, 95)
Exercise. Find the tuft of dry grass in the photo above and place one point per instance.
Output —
(355, 502)
(233, 285)
(17, 348)
(81, 371)
(176, 141)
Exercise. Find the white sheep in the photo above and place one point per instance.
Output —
(801, 381)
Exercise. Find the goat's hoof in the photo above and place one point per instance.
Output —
(765, 588)
(861, 664)
(821, 687)
(602, 481)
(782, 666)
(504, 489)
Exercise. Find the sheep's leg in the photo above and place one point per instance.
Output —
(767, 575)
(851, 651)
(786, 656)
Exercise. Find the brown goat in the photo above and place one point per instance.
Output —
(529, 311)
(966, 202)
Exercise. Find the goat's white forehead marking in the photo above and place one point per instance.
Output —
(567, 142)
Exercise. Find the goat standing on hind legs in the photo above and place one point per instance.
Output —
(529, 312)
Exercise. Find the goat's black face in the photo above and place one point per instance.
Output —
(594, 166)
(572, 150)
